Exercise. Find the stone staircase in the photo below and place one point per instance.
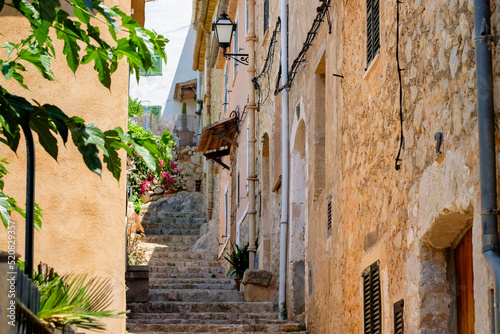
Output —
(189, 292)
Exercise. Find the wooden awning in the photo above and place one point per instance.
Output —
(185, 90)
(216, 139)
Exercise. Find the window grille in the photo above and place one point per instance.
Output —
(310, 280)
(399, 325)
(372, 299)
(372, 29)
(329, 216)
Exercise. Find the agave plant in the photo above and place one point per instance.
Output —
(75, 301)
(238, 260)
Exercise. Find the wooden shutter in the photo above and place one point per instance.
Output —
(399, 325)
(372, 300)
(465, 284)
(372, 29)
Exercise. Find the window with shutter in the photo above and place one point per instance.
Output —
(329, 216)
(372, 299)
(372, 29)
(399, 325)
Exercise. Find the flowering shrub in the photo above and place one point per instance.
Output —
(142, 180)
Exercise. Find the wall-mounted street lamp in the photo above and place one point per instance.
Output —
(224, 29)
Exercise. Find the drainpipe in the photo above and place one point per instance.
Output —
(284, 156)
(252, 177)
(487, 154)
(30, 201)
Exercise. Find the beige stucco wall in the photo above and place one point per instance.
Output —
(84, 215)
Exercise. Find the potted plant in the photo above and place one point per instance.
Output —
(137, 274)
(238, 263)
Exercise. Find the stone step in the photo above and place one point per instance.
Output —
(211, 328)
(283, 332)
(181, 224)
(172, 231)
(162, 261)
(182, 286)
(173, 219)
(162, 249)
(172, 269)
(250, 318)
(193, 280)
(171, 239)
(195, 295)
(172, 274)
(187, 307)
(179, 255)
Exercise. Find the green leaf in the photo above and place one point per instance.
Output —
(89, 4)
(2, 2)
(40, 60)
(147, 156)
(113, 161)
(48, 10)
(42, 126)
(100, 59)
(5, 209)
(59, 118)
(7, 69)
(70, 50)
(10, 46)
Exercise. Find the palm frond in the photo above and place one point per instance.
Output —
(75, 301)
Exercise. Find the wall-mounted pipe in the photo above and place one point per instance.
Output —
(487, 152)
(284, 157)
(30, 201)
(251, 106)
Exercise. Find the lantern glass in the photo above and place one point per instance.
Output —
(224, 28)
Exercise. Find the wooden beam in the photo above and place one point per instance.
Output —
(277, 185)
(207, 144)
(219, 161)
(229, 140)
(217, 154)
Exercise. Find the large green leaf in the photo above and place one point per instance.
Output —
(5, 209)
(42, 127)
(59, 118)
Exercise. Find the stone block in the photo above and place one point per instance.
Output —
(158, 190)
(257, 277)
(259, 293)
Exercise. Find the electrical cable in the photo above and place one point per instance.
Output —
(311, 35)
(267, 66)
(401, 142)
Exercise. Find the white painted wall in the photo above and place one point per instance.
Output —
(172, 19)
(184, 73)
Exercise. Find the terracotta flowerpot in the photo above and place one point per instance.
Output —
(238, 283)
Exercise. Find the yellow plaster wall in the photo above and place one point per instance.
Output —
(84, 215)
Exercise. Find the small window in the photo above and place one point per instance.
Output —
(154, 110)
(266, 15)
(157, 64)
(329, 216)
(399, 325)
(372, 29)
(372, 299)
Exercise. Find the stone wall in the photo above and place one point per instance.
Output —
(408, 219)
(190, 163)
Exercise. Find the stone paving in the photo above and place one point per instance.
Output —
(189, 292)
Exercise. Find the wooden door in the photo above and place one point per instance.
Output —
(465, 282)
